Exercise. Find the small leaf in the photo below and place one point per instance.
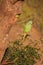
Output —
(17, 16)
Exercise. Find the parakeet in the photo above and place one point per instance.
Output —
(27, 26)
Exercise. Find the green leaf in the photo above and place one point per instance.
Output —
(28, 26)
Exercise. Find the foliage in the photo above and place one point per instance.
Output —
(21, 55)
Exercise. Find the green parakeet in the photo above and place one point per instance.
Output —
(27, 26)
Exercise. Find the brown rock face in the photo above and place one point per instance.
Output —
(8, 18)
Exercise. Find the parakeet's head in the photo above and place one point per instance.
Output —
(30, 22)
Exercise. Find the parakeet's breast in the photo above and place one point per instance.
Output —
(28, 26)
